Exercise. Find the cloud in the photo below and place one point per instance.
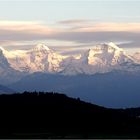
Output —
(88, 32)
(24, 26)
(87, 37)
(73, 21)
(81, 32)
(81, 25)
(115, 27)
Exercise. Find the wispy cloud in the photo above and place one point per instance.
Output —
(78, 32)
(73, 21)
(115, 27)
(94, 26)
(24, 27)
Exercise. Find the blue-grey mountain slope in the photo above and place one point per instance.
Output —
(7, 73)
(5, 90)
(114, 89)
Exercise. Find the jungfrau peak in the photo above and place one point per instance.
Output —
(41, 47)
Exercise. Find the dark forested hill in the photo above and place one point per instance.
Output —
(52, 115)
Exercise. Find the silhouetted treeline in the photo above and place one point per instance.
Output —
(53, 115)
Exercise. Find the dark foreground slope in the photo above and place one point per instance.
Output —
(51, 115)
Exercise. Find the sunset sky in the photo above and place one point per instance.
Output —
(69, 25)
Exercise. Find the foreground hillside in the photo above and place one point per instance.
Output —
(52, 115)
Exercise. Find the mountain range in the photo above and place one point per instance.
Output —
(100, 59)
(104, 75)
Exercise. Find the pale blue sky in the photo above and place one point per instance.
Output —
(51, 11)
(69, 24)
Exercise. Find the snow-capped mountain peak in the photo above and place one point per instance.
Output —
(38, 59)
(107, 47)
(105, 54)
(2, 49)
(41, 47)
(113, 45)
(99, 59)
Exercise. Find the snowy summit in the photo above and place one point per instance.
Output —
(100, 59)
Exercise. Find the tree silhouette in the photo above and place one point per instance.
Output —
(54, 115)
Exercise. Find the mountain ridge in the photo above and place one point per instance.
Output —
(102, 58)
